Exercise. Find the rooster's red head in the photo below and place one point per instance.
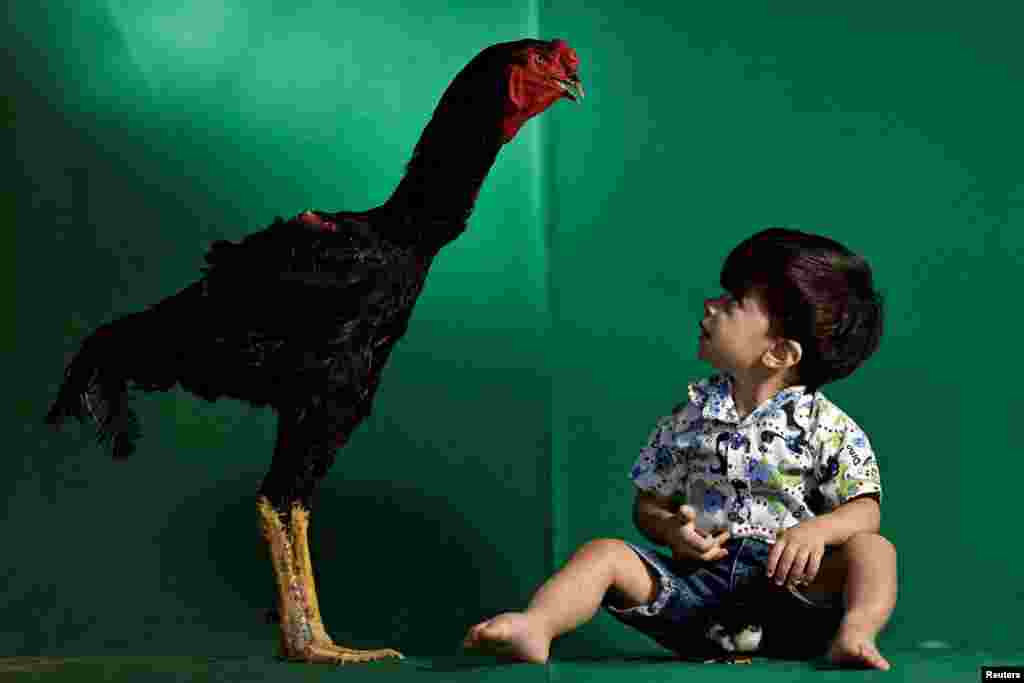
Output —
(504, 86)
(539, 74)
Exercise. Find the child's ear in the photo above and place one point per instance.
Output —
(784, 353)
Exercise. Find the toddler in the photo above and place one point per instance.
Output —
(762, 495)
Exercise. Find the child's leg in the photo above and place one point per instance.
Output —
(568, 599)
(866, 570)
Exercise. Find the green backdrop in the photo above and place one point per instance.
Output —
(549, 337)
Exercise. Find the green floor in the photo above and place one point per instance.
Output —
(932, 666)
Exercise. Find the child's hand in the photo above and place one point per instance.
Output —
(690, 543)
(796, 556)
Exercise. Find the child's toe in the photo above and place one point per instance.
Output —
(472, 636)
(873, 657)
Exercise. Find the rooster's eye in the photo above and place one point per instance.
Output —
(539, 58)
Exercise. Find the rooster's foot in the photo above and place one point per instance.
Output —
(326, 652)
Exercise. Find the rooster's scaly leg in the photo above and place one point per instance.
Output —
(304, 568)
(303, 636)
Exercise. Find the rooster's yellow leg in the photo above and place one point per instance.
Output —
(303, 636)
(304, 569)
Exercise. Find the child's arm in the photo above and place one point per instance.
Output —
(799, 550)
(652, 514)
(858, 516)
(663, 522)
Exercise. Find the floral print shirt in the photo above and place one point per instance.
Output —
(795, 456)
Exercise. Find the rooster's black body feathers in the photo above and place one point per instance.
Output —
(297, 316)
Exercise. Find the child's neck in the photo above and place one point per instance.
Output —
(750, 392)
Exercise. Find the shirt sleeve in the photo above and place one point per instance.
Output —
(846, 464)
(661, 467)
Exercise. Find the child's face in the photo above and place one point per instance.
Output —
(738, 332)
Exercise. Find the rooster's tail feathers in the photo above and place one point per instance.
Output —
(94, 390)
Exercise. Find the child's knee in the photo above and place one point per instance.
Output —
(610, 553)
(607, 549)
(869, 544)
(631, 581)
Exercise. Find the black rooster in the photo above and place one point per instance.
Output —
(303, 315)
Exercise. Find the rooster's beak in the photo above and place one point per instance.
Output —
(572, 88)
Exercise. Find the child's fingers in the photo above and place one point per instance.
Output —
(688, 553)
(798, 570)
(720, 542)
(786, 559)
(474, 633)
(698, 547)
(773, 556)
(714, 554)
(813, 566)
(699, 542)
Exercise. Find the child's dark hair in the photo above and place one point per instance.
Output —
(817, 292)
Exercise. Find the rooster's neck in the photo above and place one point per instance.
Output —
(448, 166)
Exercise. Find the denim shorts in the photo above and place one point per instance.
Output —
(734, 591)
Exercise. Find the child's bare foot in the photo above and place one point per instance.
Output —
(856, 648)
(513, 634)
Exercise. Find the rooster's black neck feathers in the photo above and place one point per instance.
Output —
(453, 156)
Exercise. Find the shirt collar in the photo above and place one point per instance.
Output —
(714, 395)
